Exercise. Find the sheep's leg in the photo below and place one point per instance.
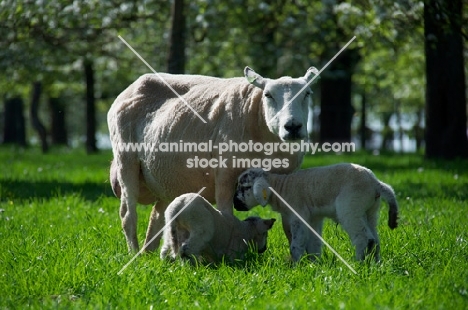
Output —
(372, 220)
(170, 243)
(224, 191)
(197, 242)
(298, 241)
(358, 230)
(314, 244)
(287, 228)
(128, 217)
(155, 226)
(129, 186)
(167, 246)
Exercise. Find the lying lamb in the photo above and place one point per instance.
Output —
(347, 193)
(205, 233)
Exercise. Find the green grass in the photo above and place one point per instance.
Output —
(62, 245)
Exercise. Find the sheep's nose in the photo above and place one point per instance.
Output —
(293, 128)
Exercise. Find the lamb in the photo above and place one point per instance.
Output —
(347, 193)
(203, 233)
(257, 109)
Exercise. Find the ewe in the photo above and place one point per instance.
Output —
(347, 193)
(235, 109)
(202, 232)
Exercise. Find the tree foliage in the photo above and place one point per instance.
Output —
(50, 41)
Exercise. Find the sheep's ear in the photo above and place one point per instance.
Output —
(254, 78)
(310, 74)
(261, 191)
(269, 223)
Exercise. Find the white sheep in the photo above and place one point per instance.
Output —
(347, 193)
(235, 109)
(203, 233)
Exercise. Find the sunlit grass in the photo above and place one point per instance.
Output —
(62, 245)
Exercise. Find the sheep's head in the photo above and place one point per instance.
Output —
(259, 231)
(285, 103)
(252, 189)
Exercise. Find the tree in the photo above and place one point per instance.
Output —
(336, 111)
(14, 124)
(445, 80)
(35, 121)
(58, 129)
(390, 74)
(90, 107)
(176, 55)
(41, 39)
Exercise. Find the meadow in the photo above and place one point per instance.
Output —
(62, 245)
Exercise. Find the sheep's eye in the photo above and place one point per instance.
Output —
(307, 94)
(268, 95)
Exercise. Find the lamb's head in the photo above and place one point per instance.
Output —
(252, 189)
(285, 103)
(258, 229)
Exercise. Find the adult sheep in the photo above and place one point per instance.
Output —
(235, 109)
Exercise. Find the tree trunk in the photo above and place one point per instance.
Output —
(90, 108)
(58, 130)
(176, 56)
(14, 124)
(335, 89)
(399, 122)
(362, 127)
(418, 131)
(263, 47)
(387, 132)
(445, 80)
(35, 121)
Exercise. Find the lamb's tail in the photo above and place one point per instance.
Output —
(386, 191)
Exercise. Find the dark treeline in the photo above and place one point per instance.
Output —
(63, 64)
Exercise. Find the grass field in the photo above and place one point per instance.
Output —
(62, 245)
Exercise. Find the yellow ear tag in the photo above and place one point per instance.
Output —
(264, 194)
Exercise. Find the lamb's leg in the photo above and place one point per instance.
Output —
(314, 244)
(170, 245)
(197, 242)
(372, 220)
(358, 230)
(167, 244)
(155, 226)
(285, 221)
(298, 240)
(129, 187)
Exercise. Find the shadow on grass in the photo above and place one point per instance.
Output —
(10, 189)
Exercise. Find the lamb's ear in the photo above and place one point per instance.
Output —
(269, 223)
(310, 74)
(254, 78)
(261, 191)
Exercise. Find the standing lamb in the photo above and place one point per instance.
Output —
(347, 193)
(203, 232)
(238, 110)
